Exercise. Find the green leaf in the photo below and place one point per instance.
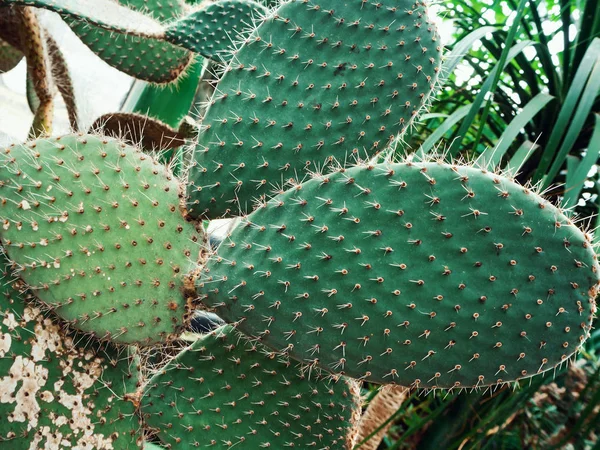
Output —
(496, 78)
(574, 127)
(521, 156)
(491, 157)
(477, 103)
(462, 47)
(576, 176)
(440, 131)
(563, 122)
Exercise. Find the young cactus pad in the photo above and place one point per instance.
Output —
(55, 392)
(145, 58)
(315, 80)
(95, 227)
(225, 391)
(423, 274)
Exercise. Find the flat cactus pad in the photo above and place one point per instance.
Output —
(56, 392)
(225, 391)
(423, 274)
(96, 228)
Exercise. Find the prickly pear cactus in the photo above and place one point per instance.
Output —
(96, 228)
(56, 391)
(141, 57)
(423, 274)
(106, 14)
(226, 391)
(9, 56)
(211, 30)
(316, 80)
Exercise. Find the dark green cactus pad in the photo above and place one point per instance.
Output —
(57, 391)
(107, 14)
(144, 58)
(96, 228)
(210, 31)
(151, 39)
(9, 56)
(423, 274)
(316, 80)
(225, 391)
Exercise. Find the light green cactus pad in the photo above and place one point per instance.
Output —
(96, 228)
(145, 58)
(317, 80)
(224, 391)
(57, 390)
(423, 274)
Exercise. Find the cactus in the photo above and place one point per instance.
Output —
(106, 14)
(32, 42)
(59, 80)
(54, 391)
(425, 274)
(226, 390)
(47, 72)
(211, 30)
(311, 84)
(96, 228)
(9, 56)
(148, 59)
(205, 31)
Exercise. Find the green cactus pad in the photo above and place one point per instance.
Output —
(224, 391)
(316, 80)
(211, 30)
(106, 14)
(152, 446)
(143, 58)
(142, 46)
(95, 227)
(54, 391)
(9, 56)
(423, 274)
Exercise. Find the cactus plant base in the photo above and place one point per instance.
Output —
(428, 275)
